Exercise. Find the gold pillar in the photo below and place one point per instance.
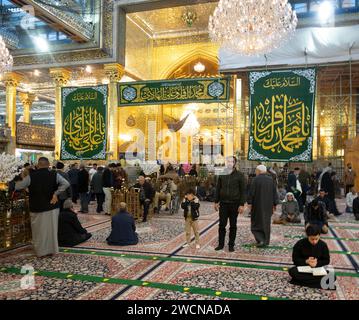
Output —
(60, 76)
(237, 102)
(114, 72)
(11, 81)
(27, 100)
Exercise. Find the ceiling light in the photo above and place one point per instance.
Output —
(88, 69)
(41, 44)
(251, 27)
(199, 67)
(36, 73)
(326, 12)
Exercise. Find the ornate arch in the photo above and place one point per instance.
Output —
(178, 70)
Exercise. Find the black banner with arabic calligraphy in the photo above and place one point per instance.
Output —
(282, 115)
(173, 91)
(84, 123)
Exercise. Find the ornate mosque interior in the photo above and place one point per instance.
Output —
(57, 44)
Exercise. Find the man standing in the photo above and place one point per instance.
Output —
(349, 178)
(67, 193)
(97, 188)
(229, 200)
(84, 189)
(108, 183)
(44, 187)
(147, 194)
(74, 180)
(262, 200)
(93, 170)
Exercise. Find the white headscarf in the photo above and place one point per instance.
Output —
(262, 168)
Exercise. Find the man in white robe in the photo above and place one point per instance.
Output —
(44, 187)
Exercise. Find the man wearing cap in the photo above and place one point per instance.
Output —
(262, 200)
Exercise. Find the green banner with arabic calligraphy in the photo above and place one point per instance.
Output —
(84, 119)
(282, 115)
(173, 91)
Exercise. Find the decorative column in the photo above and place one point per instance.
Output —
(11, 81)
(114, 72)
(27, 100)
(60, 76)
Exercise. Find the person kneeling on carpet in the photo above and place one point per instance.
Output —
(123, 231)
(315, 214)
(70, 231)
(290, 210)
(309, 255)
(190, 206)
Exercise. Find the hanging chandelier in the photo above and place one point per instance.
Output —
(6, 60)
(252, 27)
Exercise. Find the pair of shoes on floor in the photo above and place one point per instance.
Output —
(187, 245)
(230, 248)
(260, 245)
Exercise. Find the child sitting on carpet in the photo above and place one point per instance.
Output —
(190, 206)
(310, 252)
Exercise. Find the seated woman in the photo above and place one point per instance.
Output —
(290, 210)
(123, 229)
(70, 231)
(313, 252)
(315, 214)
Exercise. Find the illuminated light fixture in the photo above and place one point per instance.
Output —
(191, 126)
(125, 137)
(41, 44)
(251, 27)
(105, 81)
(199, 67)
(36, 98)
(326, 12)
(37, 73)
(6, 60)
(88, 69)
(192, 107)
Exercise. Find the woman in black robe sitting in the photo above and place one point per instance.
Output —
(70, 232)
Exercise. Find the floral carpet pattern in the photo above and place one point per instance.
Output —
(160, 268)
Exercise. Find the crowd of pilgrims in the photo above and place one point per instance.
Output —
(53, 192)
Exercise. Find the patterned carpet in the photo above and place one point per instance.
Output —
(159, 268)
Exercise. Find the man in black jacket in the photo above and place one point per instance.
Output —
(108, 184)
(147, 194)
(74, 180)
(70, 233)
(84, 178)
(229, 200)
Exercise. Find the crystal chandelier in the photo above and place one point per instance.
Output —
(252, 27)
(6, 60)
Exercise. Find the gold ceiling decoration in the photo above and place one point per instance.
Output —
(189, 17)
(168, 22)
